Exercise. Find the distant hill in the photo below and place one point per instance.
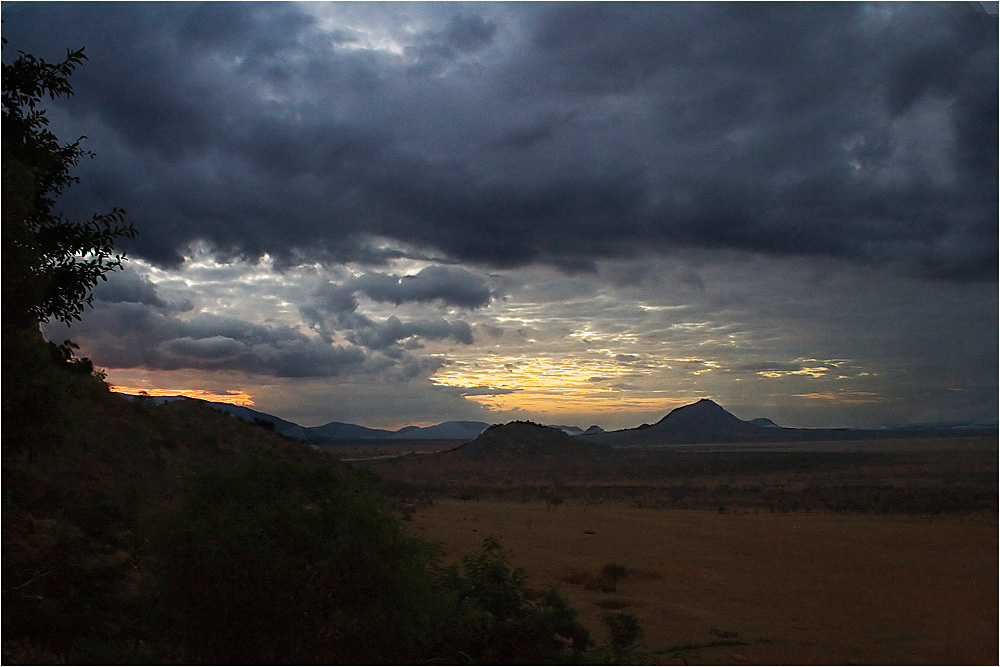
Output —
(454, 430)
(568, 430)
(523, 441)
(708, 422)
(337, 432)
(576, 430)
(704, 421)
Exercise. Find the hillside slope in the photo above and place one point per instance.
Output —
(137, 533)
(87, 474)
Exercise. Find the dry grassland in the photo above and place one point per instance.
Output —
(756, 588)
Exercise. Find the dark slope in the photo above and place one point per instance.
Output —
(290, 429)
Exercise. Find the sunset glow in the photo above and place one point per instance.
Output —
(558, 385)
(231, 397)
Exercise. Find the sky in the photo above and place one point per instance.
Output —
(391, 214)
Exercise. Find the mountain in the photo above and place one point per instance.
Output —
(455, 430)
(704, 416)
(576, 430)
(336, 432)
(568, 430)
(701, 422)
(521, 441)
(339, 431)
(707, 422)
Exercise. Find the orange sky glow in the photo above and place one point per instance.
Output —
(231, 397)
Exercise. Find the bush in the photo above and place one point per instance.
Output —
(607, 580)
(624, 635)
(281, 562)
(499, 622)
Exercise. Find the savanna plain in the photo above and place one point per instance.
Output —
(872, 552)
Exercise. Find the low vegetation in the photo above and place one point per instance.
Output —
(174, 534)
(928, 476)
(135, 533)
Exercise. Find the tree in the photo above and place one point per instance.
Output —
(50, 264)
(498, 621)
(281, 562)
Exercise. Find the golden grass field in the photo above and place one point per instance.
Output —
(756, 587)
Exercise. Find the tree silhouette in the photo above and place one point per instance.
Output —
(50, 264)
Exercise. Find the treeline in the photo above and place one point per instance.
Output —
(933, 499)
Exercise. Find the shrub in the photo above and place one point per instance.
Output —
(624, 637)
(498, 622)
(607, 580)
(281, 562)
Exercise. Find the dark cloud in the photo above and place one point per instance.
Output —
(133, 335)
(384, 335)
(463, 34)
(132, 326)
(128, 286)
(562, 133)
(451, 285)
(332, 308)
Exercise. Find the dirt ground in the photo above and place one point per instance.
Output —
(756, 588)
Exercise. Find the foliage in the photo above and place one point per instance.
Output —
(624, 640)
(607, 579)
(498, 621)
(283, 562)
(50, 264)
(65, 356)
(38, 393)
(305, 564)
(145, 533)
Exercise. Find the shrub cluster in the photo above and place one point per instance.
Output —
(281, 562)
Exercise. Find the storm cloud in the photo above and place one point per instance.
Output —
(507, 134)
(130, 335)
(788, 207)
(450, 285)
(133, 326)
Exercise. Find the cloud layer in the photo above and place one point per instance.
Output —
(430, 211)
(507, 133)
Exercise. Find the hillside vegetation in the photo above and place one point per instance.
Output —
(173, 534)
(912, 474)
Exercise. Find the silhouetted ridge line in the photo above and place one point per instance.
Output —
(701, 422)
(523, 440)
